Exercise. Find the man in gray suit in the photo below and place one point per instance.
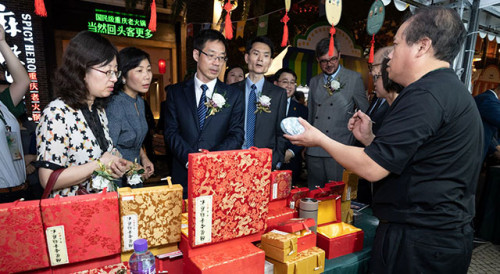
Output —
(333, 96)
(265, 103)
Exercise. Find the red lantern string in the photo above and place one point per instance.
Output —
(228, 27)
(370, 58)
(40, 8)
(152, 21)
(285, 20)
(330, 49)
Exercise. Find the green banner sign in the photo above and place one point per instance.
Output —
(120, 24)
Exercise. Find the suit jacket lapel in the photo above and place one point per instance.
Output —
(190, 94)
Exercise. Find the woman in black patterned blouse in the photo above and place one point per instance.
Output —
(73, 130)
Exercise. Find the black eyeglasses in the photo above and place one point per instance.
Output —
(334, 59)
(286, 82)
(110, 73)
(212, 57)
(376, 77)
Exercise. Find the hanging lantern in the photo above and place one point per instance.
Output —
(162, 66)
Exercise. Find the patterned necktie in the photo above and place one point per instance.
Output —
(329, 80)
(202, 108)
(251, 117)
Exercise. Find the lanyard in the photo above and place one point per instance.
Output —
(4, 121)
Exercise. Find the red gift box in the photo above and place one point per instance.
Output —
(83, 232)
(111, 269)
(22, 240)
(169, 262)
(242, 259)
(188, 251)
(295, 226)
(335, 188)
(329, 213)
(278, 213)
(228, 194)
(295, 195)
(281, 184)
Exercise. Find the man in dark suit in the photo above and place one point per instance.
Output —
(330, 109)
(489, 108)
(196, 117)
(265, 103)
(286, 78)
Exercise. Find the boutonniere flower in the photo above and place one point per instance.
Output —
(335, 86)
(215, 104)
(263, 104)
(102, 178)
(134, 174)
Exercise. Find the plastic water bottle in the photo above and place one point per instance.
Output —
(142, 260)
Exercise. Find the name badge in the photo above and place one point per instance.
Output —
(15, 152)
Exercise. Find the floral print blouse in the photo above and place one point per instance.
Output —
(64, 139)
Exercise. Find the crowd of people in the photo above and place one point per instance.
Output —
(418, 145)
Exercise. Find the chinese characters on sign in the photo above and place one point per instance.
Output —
(203, 220)
(12, 27)
(120, 24)
(56, 241)
(130, 231)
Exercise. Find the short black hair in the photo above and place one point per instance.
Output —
(284, 70)
(389, 85)
(323, 46)
(260, 39)
(129, 58)
(85, 50)
(208, 35)
(442, 25)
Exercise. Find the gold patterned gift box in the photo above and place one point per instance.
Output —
(309, 261)
(151, 213)
(280, 246)
(351, 185)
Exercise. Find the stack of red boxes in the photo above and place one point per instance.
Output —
(227, 210)
(335, 237)
(279, 211)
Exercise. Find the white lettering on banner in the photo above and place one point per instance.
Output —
(56, 241)
(11, 25)
(203, 220)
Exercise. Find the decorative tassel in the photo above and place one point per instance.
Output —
(370, 58)
(40, 8)
(332, 33)
(228, 27)
(152, 20)
(285, 20)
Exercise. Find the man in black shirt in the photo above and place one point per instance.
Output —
(426, 155)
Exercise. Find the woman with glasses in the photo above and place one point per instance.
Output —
(126, 110)
(73, 132)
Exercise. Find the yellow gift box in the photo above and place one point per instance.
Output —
(280, 246)
(347, 212)
(309, 261)
(351, 185)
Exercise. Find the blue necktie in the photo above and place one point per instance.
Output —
(202, 108)
(251, 117)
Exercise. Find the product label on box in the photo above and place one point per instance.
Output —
(203, 220)
(348, 196)
(130, 231)
(128, 198)
(56, 241)
(275, 190)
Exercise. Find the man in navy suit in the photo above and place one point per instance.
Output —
(193, 120)
(489, 108)
(286, 78)
(265, 103)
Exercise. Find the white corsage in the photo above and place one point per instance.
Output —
(215, 104)
(134, 174)
(263, 104)
(335, 86)
(102, 178)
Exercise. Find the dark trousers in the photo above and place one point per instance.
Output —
(408, 249)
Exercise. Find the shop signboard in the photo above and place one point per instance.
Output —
(119, 24)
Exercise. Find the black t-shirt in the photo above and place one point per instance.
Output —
(431, 143)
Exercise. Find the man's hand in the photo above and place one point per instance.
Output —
(361, 126)
(288, 156)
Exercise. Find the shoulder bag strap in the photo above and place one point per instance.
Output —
(51, 182)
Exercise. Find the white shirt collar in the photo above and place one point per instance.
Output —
(198, 90)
